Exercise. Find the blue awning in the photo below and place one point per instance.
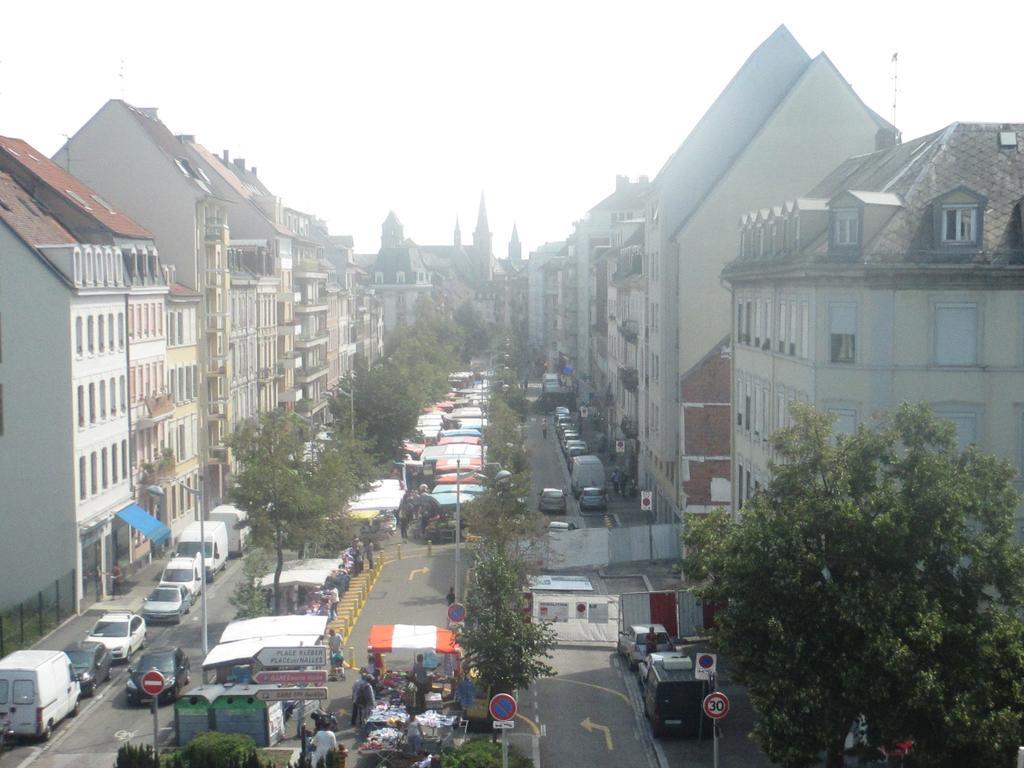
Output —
(144, 523)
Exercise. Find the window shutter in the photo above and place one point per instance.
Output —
(956, 327)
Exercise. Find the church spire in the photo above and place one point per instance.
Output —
(515, 248)
(458, 233)
(482, 240)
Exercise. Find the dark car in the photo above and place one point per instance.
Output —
(552, 500)
(172, 663)
(593, 500)
(91, 662)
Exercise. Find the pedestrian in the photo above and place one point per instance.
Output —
(333, 598)
(369, 551)
(450, 597)
(422, 680)
(544, 431)
(337, 656)
(413, 738)
(116, 577)
(357, 690)
(323, 742)
(367, 699)
(403, 525)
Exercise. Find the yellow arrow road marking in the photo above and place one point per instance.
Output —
(591, 727)
(418, 570)
(529, 722)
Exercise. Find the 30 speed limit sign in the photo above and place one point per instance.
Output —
(716, 705)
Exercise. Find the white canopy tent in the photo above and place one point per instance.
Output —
(311, 572)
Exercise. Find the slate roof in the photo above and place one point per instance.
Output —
(629, 195)
(35, 226)
(177, 289)
(74, 191)
(906, 181)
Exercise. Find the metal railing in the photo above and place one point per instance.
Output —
(23, 624)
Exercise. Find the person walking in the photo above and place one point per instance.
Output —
(367, 699)
(323, 742)
(369, 552)
(403, 524)
(544, 431)
(357, 697)
(450, 597)
(422, 681)
(337, 656)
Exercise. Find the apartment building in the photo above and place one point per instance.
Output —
(69, 263)
(186, 208)
(783, 122)
(896, 279)
(178, 508)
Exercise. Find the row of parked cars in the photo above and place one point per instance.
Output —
(585, 469)
(672, 694)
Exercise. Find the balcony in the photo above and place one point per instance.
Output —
(219, 453)
(311, 305)
(266, 374)
(286, 329)
(629, 428)
(217, 409)
(312, 373)
(629, 377)
(306, 340)
(309, 269)
(216, 323)
(630, 330)
(288, 396)
(159, 408)
(216, 230)
(284, 363)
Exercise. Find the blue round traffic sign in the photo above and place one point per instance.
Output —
(503, 706)
(456, 613)
(706, 660)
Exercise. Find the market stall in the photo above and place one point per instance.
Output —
(398, 724)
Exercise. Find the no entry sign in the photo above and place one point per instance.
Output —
(503, 706)
(152, 683)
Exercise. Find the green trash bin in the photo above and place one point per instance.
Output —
(241, 713)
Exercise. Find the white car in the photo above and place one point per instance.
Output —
(123, 633)
(633, 642)
(674, 659)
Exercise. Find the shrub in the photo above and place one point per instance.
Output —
(220, 750)
(136, 756)
(483, 753)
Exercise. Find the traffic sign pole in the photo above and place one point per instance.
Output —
(152, 682)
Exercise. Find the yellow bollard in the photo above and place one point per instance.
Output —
(399, 551)
(429, 548)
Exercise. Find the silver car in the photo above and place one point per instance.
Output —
(633, 642)
(167, 603)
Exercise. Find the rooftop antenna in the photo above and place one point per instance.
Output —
(67, 151)
(121, 76)
(895, 90)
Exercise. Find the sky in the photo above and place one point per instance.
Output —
(350, 110)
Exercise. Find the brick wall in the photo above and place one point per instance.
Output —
(705, 391)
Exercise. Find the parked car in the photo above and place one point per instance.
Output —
(633, 644)
(91, 662)
(660, 658)
(561, 525)
(122, 633)
(552, 500)
(40, 688)
(172, 663)
(575, 448)
(593, 500)
(567, 436)
(167, 603)
(672, 698)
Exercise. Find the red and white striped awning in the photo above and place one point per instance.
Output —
(385, 638)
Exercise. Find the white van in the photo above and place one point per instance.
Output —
(234, 519)
(184, 572)
(38, 689)
(587, 471)
(216, 549)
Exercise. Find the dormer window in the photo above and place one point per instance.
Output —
(959, 224)
(378, 278)
(959, 220)
(400, 279)
(845, 227)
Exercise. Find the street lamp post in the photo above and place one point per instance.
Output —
(458, 525)
(156, 490)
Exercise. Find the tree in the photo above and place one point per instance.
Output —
(385, 408)
(503, 516)
(876, 575)
(508, 652)
(274, 484)
(248, 598)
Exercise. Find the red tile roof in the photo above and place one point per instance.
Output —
(177, 289)
(21, 213)
(72, 189)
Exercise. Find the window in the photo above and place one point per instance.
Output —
(81, 478)
(81, 405)
(103, 399)
(739, 411)
(378, 278)
(123, 396)
(102, 337)
(90, 335)
(842, 322)
(782, 327)
(120, 330)
(113, 396)
(965, 422)
(956, 334)
(92, 403)
(113, 464)
(103, 468)
(959, 224)
(78, 336)
(792, 328)
(844, 420)
(845, 227)
(124, 458)
(110, 331)
(746, 406)
(92, 473)
(400, 278)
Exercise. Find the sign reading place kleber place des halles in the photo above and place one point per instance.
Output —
(293, 656)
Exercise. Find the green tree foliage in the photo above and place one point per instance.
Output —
(483, 753)
(504, 437)
(876, 575)
(476, 336)
(248, 599)
(508, 652)
(219, 750)
(386, 408)
(275, 483)
(503, 516)
(136, 756)
(344, 467)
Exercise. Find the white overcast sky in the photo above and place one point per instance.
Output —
(351, 109)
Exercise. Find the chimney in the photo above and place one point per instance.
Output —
(226, 157)
(240, 163)
(253, 169)
(621, 182)
(149, 112)
(186, 138)
(643, 181)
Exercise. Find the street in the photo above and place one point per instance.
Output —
(91, 740)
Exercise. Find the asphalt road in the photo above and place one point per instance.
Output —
(92, 739)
